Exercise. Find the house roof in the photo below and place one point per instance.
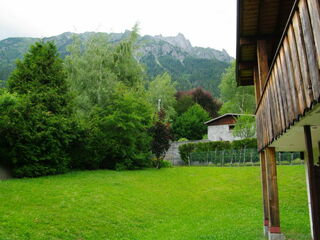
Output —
(258, 20)
(227, 115)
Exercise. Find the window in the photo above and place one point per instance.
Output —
(231, 127)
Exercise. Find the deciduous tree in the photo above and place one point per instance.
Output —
(236, 99)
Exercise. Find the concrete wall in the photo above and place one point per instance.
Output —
(220, 133)
(173, 155)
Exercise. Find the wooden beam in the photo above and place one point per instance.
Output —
(246, 65)
(264, 193)
(271, 170)
(313, 186)
(252, 40)
(257, 85)
(262, 59)
(247, 41)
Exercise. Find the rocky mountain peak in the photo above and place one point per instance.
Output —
(178, 41)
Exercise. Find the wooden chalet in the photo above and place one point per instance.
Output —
(278, 51)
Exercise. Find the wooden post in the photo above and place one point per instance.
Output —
(263, 65)
(272, 184)
(264, 193)
(312, 185)
(257, 85)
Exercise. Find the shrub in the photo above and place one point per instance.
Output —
(186, 149)
(183, 139)
(245, 143)
(163, 163)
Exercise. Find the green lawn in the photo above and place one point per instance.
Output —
(204, 203)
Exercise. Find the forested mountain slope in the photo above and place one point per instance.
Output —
(189, 66)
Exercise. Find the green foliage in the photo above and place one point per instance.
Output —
(235, 99)
(183, 103)
(124, 65)
(188, 148)
(164, 89)
(185, 150)
(200, 96)
(245, 127)
(119, 137)
(90, 73)
(245, 143)
(191, 123)
(166, 164)
(183, 139)
(161, 163)
(36, 122)
(110, 103)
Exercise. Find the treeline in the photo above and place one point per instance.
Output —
(94, 109)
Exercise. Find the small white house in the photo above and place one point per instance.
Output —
(220, 128)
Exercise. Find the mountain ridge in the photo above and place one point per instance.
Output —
(173, 54)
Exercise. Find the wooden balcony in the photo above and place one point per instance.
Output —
(292, 86)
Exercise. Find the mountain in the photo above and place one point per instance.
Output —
(189, 66)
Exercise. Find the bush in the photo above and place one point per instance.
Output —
(183, 139)
(33, 142)
(245, 143)
(185, 150)
(163, 163)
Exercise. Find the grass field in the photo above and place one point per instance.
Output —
(204, 203)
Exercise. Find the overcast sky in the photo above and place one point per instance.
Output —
(206, 23)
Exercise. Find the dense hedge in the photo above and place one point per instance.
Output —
(186, 149)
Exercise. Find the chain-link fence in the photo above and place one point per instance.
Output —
(240, 157)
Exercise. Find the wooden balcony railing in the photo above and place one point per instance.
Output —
(293, 82)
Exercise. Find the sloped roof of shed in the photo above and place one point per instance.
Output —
(227, 115)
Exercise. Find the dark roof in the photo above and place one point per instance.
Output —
(256, 20)
(227, 115)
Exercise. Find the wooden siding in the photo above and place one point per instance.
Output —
(293, 82)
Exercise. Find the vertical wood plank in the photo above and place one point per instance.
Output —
(283, 92)
(307, 86)
(297, 73)
(313, 188)
(280, 104)
(279, 111)
(290, 76)
(314, 10)
(310, 48)
(287, 90)
(272, 111)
